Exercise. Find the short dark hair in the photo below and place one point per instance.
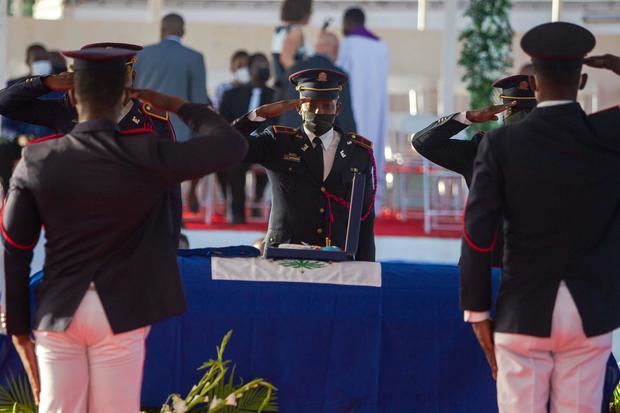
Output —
(100, 88)
(239, 54)
(563, 72)
(173, 23)
(255, 57)
(36, 49)
(355, 16)
(295, 10)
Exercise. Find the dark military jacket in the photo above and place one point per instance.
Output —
(435, 144)
(100, 195)
(301, 200)
(21, 102)
(554, 176)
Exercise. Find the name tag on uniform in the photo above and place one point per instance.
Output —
(293, 157)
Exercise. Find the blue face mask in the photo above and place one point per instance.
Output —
(41, 68)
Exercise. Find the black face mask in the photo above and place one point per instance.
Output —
(318, 123)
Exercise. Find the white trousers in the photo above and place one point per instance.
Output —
(567, 369)
(88, 368)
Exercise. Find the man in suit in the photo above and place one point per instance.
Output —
(325, 54)
(235, 103)
(553, 177)
(435, 143)
(311, 168)
(110, 265)
(23, 101)
(171, 68)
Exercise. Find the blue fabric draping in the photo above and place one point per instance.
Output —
(400, 348)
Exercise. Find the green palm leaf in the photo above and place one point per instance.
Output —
(17, 396)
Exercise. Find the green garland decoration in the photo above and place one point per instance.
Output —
(487, 52)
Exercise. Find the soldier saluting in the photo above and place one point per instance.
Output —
(21, 101)
(311, 168)
(110, 264)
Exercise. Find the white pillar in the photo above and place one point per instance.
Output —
(449, 58)
(422, 14)
(3, 42)
(155, 9)
(556, 10)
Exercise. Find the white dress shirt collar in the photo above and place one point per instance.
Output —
(124, 111)
(326, 139)
(548, 103)
(174, 38)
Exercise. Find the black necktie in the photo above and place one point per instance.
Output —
(318, 155)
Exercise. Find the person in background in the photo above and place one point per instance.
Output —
(288, 43)
(325, 54)
(240, 73)
(110, 265)
(39, 64)
(16, 132)
(171, 68)
(365, 57)
(237, 102)
(550, 176)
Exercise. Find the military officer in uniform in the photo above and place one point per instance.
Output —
(553, 177)
(435, 143)
(110, 263)
(311, 168)
(20, 101)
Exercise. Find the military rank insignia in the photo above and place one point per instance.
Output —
(293, 157)
(151, 111)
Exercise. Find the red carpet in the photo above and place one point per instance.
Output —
(384, 226)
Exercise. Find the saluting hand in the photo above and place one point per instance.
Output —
(484, 333)
(158, 100)
(488, 113)
(25, 348)
(275, 109)
(606, 61)
(61, 81)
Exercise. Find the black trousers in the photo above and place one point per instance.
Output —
(232, 184)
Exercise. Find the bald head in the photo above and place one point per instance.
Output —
(172, 25)
(327, 45)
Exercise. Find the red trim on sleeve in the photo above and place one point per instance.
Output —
(172, 134)
(475, 247)
(6, 236)
(139, 131)
(46, 138)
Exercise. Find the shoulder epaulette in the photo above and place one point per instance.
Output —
(360, 140)
(151, 111)
(46, 138)
(138, 131)
(284, 129)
